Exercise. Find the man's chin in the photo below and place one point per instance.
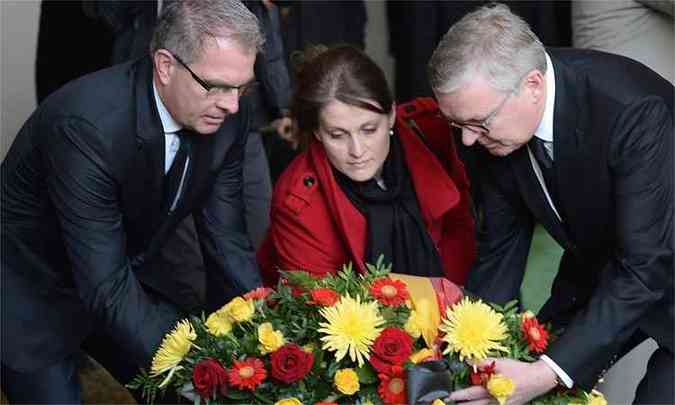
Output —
(208, 129)
(500, 152)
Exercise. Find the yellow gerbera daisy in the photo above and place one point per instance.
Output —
(218, 324)
(352, 327)
(596, 398)
(473, 330)
(173, 348)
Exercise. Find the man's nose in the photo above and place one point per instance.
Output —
(469, 137)
(228, 101)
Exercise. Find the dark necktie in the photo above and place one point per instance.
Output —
(178, 172)
(546, 164)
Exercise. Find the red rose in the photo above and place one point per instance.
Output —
(392, 348)
(290, 363)
(208, 376)
(324, 297)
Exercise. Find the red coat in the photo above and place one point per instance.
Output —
(314, 227)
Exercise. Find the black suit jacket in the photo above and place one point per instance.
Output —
(82, 220)
(613, 149)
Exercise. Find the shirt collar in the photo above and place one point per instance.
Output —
(545, 129)
(168, 123)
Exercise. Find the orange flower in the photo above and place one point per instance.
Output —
(324, 297)
(392, 386)
(535, 333)
(247, 374)
(389, 292)
(259, 293)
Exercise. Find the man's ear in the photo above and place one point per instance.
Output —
(316, 135)
(535, 84)
(164, 65)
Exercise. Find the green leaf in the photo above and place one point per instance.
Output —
(366, 374)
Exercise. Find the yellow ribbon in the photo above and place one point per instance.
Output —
(425, 303)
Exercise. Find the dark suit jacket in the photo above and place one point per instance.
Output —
(613, 148)
(82, 220)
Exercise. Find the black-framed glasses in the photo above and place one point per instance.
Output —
(482, 127)
(213, 89)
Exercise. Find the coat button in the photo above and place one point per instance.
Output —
(308, 181)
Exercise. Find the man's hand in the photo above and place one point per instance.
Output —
(284, 127)
(531, 380)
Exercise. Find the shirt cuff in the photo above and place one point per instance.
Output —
(564, 378)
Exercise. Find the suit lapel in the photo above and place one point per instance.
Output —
(148, 165)
(575, 157)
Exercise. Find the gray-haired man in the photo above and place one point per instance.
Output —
(97, 179)
(581, 142)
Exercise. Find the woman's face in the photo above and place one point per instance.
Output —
(356, 140)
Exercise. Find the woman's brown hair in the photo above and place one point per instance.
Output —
(342, 73)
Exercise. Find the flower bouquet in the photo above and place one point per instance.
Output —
(372, 338)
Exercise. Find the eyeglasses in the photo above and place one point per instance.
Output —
(213, 89)
(482, 127)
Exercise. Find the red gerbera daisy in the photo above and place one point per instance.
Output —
(481, 375)
(392, 387)
(247, 374)
(535, 333)
(324, 297)
(389, 291)
(259, 293)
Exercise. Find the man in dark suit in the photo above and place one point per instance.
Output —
(582, 142)
(99, 177)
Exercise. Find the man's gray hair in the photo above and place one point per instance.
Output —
(185, 27)
(490, 42)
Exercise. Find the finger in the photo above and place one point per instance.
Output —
(470, 394)
(477, 402)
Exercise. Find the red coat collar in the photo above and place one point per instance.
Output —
(436, 191)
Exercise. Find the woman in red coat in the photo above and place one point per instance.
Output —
(368, 183)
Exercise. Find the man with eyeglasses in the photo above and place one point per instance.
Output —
(582, 142)
(98, 178)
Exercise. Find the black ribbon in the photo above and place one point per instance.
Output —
(429, 381)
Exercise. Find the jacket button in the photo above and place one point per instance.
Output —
(308, 181)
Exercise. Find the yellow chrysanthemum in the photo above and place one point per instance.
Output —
(473, 330)
(218, 324)
(500, 387)
(346, 381)
(351, 328)
(438, 402)
(270, 340)
(288, 401)
(174, 347)
(239, 309)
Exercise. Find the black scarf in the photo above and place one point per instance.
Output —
(395, 226)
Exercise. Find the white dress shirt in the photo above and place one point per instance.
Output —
(545, 133)
(170, 127)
